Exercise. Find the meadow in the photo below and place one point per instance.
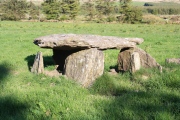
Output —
(144, 95)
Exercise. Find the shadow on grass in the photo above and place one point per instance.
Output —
(48, 61)
(105, 85)
(12, 109)
(140, 106)
(172, 75)
(4, 71)
(129, 104)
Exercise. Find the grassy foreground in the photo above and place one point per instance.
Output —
(146, 94)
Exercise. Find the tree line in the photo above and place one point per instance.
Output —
(18, 9)
(98, 10)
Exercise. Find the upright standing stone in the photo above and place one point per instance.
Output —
(85, 66)
(124, 59)
(38, 66)
(135, 62)
(133, 59)
(147, 61)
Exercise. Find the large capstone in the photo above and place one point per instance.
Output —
(74, 41)
(85, 66)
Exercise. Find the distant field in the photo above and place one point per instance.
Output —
(162, 3)
(175, 1)
(135, 3)
(145, 95)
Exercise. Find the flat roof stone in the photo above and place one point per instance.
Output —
(77, 41)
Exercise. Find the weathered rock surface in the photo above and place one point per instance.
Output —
(80, 57)
(132, 59)
(85, 66)
(38, 66)
(124, 59)
(173, 60)
(135, 62)
(147, 61)
(74, 41)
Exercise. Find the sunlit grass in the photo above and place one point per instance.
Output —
(146, 94)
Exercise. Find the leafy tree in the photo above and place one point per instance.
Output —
(34, 11)
(70, 7)
(125, 1)
(100, 8)
(1, 6)
(109, 7)
(54, 8)
(90, 10)
(109, 10)
(49, 1)
(14, 9)
(74, 8)
(130, 14)
(51, 8)
(133, 15)
(125, 5)
(65, 7)
(105, 9)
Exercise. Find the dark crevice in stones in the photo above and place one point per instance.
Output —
(59, 57)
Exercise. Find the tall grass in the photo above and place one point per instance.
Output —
(147, 94)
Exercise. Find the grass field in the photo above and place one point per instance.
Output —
(25, 96)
